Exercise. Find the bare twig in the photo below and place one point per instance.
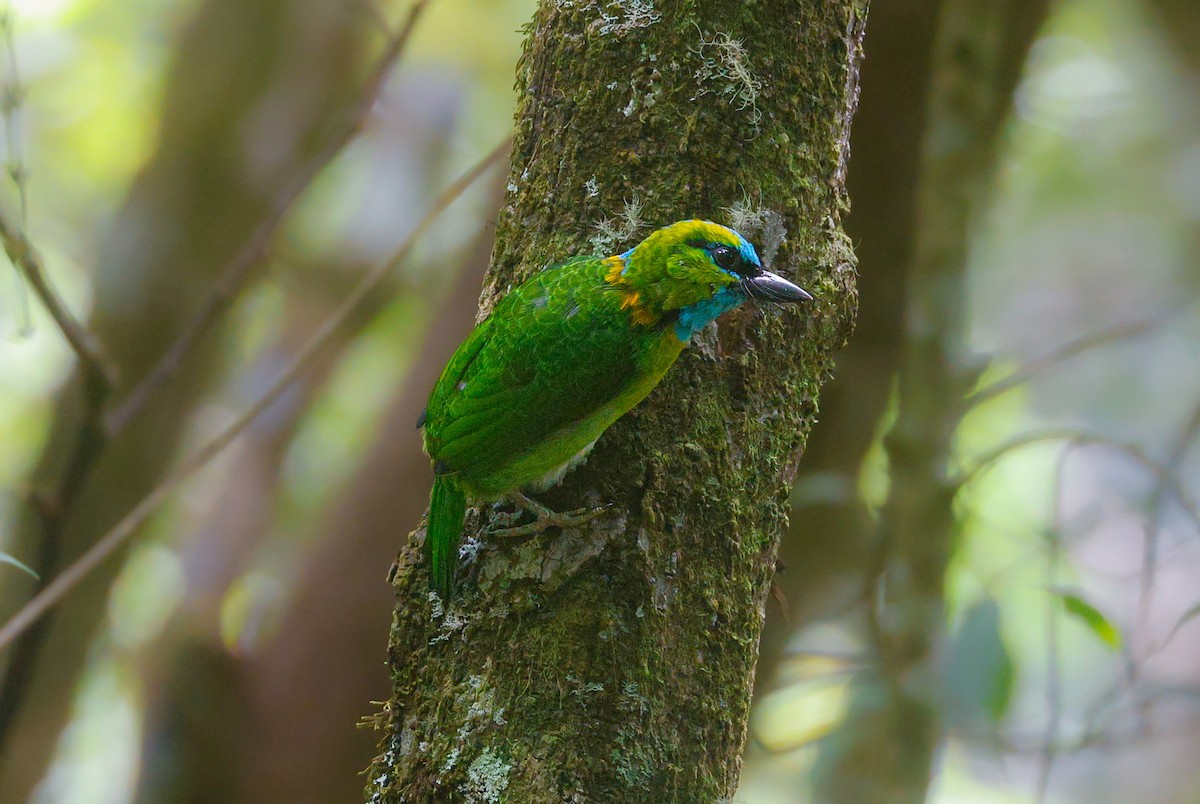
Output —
(95, 384)
(96, 379)
(1183, 443)
(1039, 365)
(1084, 438)
(92, 363)
(120, 533)
(252, 253)
(1053, 655)
(10, 105)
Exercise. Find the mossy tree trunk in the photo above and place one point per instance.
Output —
(615, 662)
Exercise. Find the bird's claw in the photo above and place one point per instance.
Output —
(547, 518)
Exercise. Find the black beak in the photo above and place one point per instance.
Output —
(769, 287)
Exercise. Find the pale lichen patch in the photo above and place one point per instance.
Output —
(724, 63)
(487, 777)
(764, 227)
(612, 233)
(619, 18)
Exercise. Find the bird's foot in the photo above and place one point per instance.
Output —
(547, 518)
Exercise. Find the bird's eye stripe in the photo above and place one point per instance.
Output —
(733, 259)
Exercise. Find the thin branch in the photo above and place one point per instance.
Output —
(73, 575)
(1084, 438)
(10, 105)
(1040, 365)
(1183, 443)
(92, 362)
(1053, 651)
(96, 380)
(95, 385)
(13, 95)
(252, 253)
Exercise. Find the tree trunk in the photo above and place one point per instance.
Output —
(615, 662)
(884, 751)
(827, 548)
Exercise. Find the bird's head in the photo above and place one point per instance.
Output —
(691, 272)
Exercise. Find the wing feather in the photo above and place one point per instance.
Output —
(555, 350)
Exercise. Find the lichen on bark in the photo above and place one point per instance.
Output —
(615, 662)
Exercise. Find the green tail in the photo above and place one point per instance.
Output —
(447, 509)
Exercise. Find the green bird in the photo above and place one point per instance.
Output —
(561, 358)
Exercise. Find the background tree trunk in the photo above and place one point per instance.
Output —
(829, 542)
(309, 688)
(616, 662)
(884, 750)
(327, 650)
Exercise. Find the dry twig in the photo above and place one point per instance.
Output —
(120, 533)
(1084, 438)
(93, 364)
(252, 253)
(1040, 365)
(1183, 443)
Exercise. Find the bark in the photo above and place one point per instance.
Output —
(616, 662)
(885, 749)
(251, 88)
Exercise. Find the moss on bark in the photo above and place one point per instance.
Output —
(616, 662)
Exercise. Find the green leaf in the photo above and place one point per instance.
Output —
(5, 558)
(1090, 616)
(980, 671)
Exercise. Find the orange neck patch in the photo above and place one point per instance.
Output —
(631, 300)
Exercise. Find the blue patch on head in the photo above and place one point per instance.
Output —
(747, 250)
(696, 317)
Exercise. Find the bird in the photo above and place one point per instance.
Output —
(563, 356)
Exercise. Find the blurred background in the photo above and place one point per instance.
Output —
(229, 653)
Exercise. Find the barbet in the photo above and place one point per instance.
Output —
(564, 356)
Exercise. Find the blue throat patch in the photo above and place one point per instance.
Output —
(696, 317)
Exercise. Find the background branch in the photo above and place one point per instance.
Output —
(237, 272)
(1056, 357)
(1162, 472)
(98, 372)
(107, 544)
(232, 129)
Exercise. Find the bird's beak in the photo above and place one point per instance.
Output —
(769, 287)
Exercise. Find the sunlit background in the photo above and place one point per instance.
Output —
(1074, 652)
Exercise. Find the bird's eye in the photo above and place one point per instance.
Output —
(727, 258)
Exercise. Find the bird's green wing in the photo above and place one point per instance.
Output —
(554, 351)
